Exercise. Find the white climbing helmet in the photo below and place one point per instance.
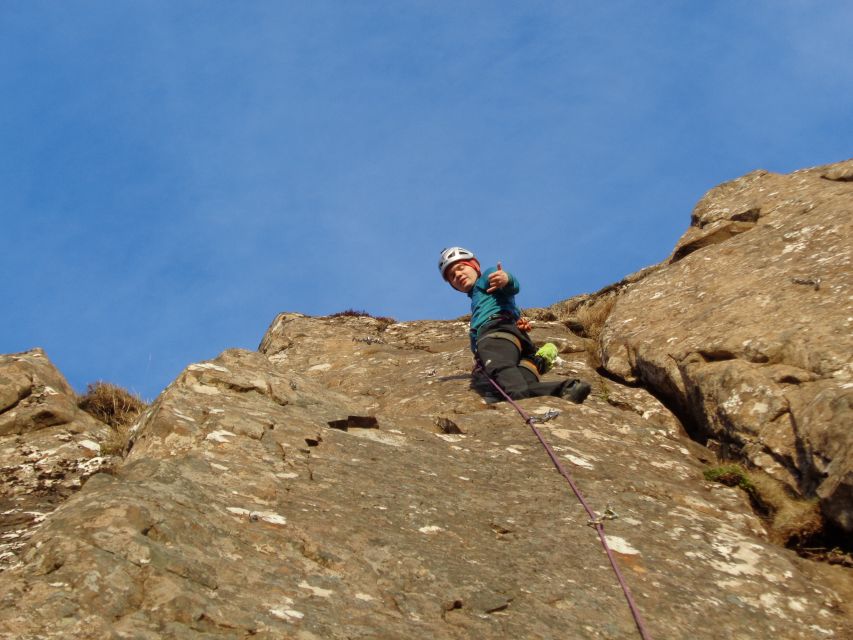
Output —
(451, 255)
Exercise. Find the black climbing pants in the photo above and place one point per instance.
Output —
(501, 359)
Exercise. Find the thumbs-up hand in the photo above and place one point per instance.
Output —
(498, 279)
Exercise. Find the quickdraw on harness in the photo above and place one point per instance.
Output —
(595, 521)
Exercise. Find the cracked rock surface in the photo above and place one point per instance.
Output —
(316, 489)
(48, 447)
(748, 329)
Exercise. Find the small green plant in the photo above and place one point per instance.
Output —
(731, 475)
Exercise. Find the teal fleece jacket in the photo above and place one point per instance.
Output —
(485, 306)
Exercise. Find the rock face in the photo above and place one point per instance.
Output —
(748, 330)
(48, 447)
(345, 482)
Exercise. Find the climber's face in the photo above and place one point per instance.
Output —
(461, 276)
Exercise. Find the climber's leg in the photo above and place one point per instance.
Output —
(500, 358)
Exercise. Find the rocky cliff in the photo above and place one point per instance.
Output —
(344, 482)
(747, 331)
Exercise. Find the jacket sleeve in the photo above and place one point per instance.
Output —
(512, 287)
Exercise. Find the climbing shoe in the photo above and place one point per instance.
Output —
(491, 398)
(575, 390)
(545, 357)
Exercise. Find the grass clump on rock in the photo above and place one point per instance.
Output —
(731, 475)
(351, 313)
(592, 316)
(111, 404)
(791, 520)
(115, 406)
(355, 313)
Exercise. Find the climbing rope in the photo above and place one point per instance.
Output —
(595, 521)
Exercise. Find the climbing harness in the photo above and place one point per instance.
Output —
(595, 521)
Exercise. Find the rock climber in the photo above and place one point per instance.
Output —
(498, 333)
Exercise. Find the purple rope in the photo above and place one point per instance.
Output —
(599, 526)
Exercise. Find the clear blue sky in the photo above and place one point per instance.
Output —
(174, 173)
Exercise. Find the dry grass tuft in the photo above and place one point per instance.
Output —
(545, 315)
(591, 317)
(792, 521)
(351, 313)
(355, 313)
(114, 406)
(111, 404)
(588, 323)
